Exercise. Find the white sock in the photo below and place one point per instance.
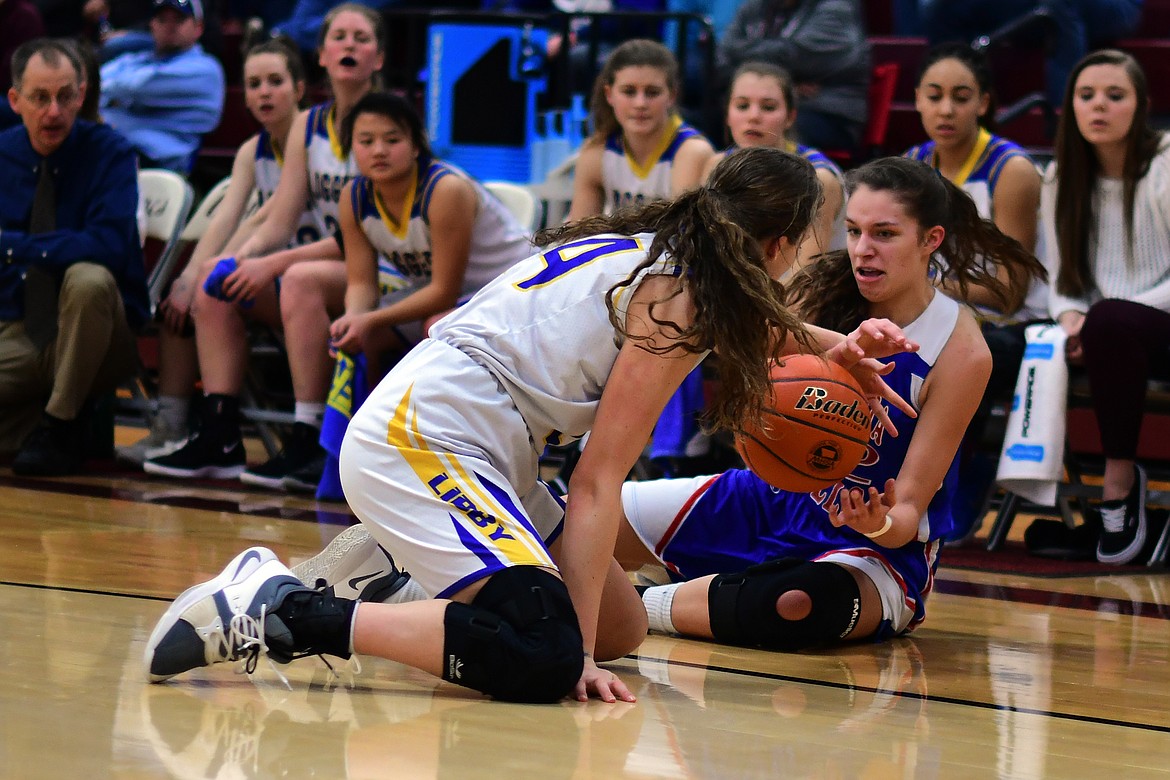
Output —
(309, 414)
(658, 601)
(173, 410)
(411, 591)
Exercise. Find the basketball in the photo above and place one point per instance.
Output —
(815, 427)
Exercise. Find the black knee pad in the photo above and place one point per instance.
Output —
(519, 639)
(742, 606)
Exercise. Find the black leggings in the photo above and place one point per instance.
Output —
(1124, 343)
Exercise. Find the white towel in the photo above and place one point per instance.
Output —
(1031, 464)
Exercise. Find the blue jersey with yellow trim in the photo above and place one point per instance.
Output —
(497, 239)
(266, 167)
(626, 183)
(328, 167)
(980, 172)
(542, 327)
(978, 178)
(770, 523)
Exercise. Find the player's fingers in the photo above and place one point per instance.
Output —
(621, 691)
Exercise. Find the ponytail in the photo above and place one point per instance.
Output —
(716, 234)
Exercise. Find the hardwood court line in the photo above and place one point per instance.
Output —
(343, 517)
(87, 591)
(910, 695)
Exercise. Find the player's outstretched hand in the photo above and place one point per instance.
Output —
(863, 511)
(606, 685)
(873, 338)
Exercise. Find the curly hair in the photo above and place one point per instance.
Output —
(826, 292)
(717, 234)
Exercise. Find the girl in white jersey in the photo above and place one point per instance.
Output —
(591, 335)
(761, 110)
(314, 172)
(640, 150)
(274, 84)
(1106, 212)
(437, 227)
(420, 237)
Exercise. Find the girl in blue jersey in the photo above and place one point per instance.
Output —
(640, 150)
(315, 170)
(274, 84)
(854, 560)
(592, 334)
(955, 101)
(761, 110)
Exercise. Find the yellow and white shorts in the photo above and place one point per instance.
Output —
(439, 465)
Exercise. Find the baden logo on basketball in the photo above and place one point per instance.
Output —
(824, 456)
(815, 398)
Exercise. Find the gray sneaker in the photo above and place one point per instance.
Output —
(222, 619)
(161, 440)
(353, 566)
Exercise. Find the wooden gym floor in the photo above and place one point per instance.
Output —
(997, 682)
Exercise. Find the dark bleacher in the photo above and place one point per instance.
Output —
(1019, 71)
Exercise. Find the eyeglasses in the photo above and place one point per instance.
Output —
(41, 99)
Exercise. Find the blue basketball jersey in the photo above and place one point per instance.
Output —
(738, 520)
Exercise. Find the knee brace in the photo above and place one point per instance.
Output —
(742, 606)
(518, 640)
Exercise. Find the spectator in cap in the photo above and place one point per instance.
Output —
(164, 100)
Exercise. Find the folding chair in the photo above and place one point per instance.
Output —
(1083, 456)
(167, 198)
(518, 199)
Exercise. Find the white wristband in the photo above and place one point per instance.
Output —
(880, 531)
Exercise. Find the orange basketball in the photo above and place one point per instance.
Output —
(816, 427)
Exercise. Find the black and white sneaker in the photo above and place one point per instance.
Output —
(1124, 524)
(307, 477)
(222, 619)
(299, 450)
(353, 566)
(202, 457)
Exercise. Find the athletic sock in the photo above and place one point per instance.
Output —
(411, 591)
(173, 410)
(308, 413)
(658, 601)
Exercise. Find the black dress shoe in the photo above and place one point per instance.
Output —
(54, 449)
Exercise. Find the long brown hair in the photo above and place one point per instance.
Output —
(1077, 170)
(716, 233)
(639, 52)
(829, 296)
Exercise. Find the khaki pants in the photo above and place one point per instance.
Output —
(94, 352)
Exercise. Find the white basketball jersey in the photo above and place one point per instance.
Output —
(626, 183)
(266, 175)
(497, 239)
(543, 329)
(329, 169)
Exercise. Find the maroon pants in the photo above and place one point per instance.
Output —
(1124, 343)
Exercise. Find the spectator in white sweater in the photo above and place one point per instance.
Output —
(1106, 209)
